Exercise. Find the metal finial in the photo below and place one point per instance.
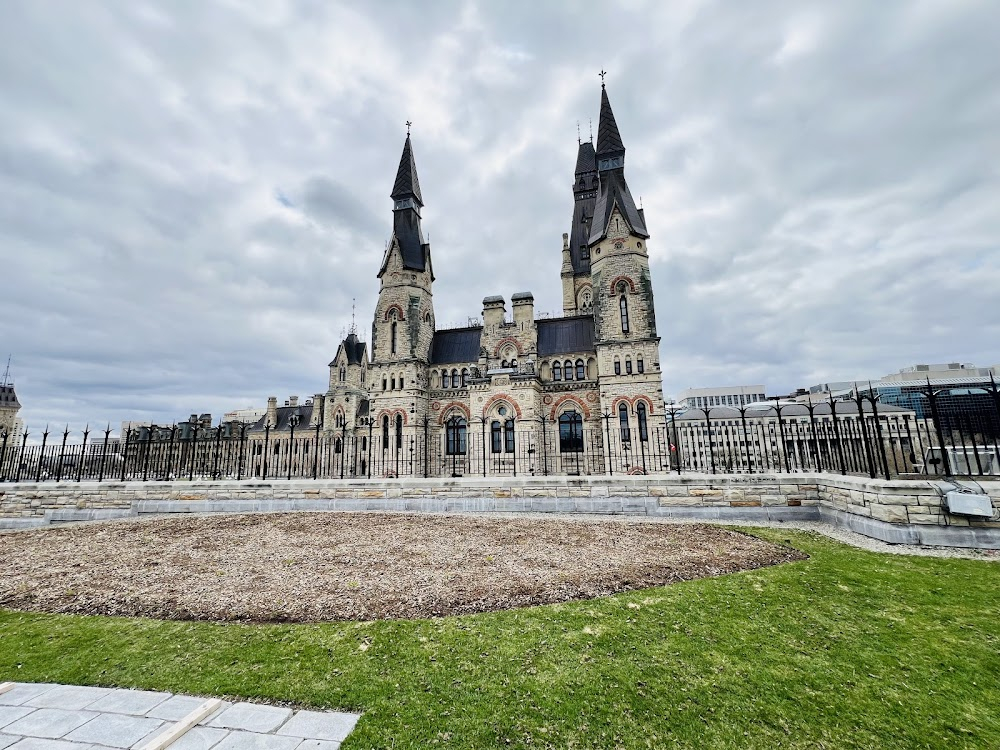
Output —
(354, 327)
(602, 74)
(408, 124)
(578, 141)
(591, 129)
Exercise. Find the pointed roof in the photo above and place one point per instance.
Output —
(407, 184)
(586, 158)
(614, 193)
(609, 140)
(356, 350)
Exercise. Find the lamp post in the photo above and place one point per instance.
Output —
(293, 420)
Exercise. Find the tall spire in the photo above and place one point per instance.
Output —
(407, 185)
(609, 140)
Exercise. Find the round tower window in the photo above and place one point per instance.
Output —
(502, 411)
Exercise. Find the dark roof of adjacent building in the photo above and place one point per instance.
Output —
(455, 345)
(8, 398)
(406, 183)
(355, 350)
(586, 158)
(844, 409)
(285, 413)
(565, 335)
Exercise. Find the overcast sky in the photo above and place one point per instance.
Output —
(192, 193)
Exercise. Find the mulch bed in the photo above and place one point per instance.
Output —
(303, 567)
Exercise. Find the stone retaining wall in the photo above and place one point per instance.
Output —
(872, 506)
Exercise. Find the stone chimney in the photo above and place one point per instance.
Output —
(494, 311)
(524, 308)
(318, 402)
(293, 400)
(272, 411)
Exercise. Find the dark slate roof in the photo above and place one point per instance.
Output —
(455, 345)
(356, 350)
(406, 228)
(284, 414)
(586, 158)
(614, 191)
(609, 140)
(407, 184)
(565, 335)
(7, 396)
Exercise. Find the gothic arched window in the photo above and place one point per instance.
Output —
(618, 366)
(623, 304)
(570, 432)
(393, 381)
(465, 377)
(639, 366)
(343, 373)
(385, 432)
(401, 382)
(508, 436)
(640, 410)
(445, 379)
(581, 371)
(399, 431)
(456, 436)
(628, 365)
(455, 381)
(568, 369)
(393, 341)
(556, 371)
(623, 423)
(495, 437)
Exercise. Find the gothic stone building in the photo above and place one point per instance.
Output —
(504, 396)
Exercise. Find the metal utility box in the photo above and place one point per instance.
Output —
(968, 504)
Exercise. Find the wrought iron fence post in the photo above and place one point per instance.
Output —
(483, 423)
(545, 450)
(836, 435)
(746, 440)
(708, 428)
(369, 463)
(932, 397)
(316, 452)
(781, 437)
(218, 448)
(149, 449)
(242, 450)
(3, 458)
(267, 438)
(607, 448)
(83, 454)
(128, 435)
(343, 447)
(427, 420)
(869, 459)
(104, 453)
(878, 430)
(20, 456)
(62, 454)
(815, 438)
(41, 455)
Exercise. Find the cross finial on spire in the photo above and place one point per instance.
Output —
(591, 129)
(408, 124)
(578, 140)
(354, 327)
(602, 74)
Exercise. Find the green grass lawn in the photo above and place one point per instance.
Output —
(846, 649)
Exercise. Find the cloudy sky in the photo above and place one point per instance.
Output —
(193, 193)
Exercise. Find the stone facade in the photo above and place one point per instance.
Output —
(10, 425)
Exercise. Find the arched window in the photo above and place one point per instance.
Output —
(628, 365)
(445, 379)
(503, 364)
(456, 430)
(385, 432)
(568, 369)
(465, 377)
(640, 410)
(362, 376)
(570, 432)
(623, 304)
(393, 381)
(399, 431)
(383, 384)
(581, 371)
(639, 366)
(393, 337)
(623, 423)
(556, 371)
(338, 446)
(495, 437)
(618, 366)
(401, 382)
(455, 382)
(343, 373)
(508, 436)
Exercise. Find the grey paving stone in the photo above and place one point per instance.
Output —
(251, 717)
(133, 702)
(32, 743)
(320, 725)
(176, 708)
(115, 730)
(49, 722)
(253, 741)
(13, 713)
(199, 738)
(24, 691)
(6, 740)
(68, 697)
(318, 745)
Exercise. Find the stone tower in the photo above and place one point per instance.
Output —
(624, 320)
(404, 317)
(578, 295)
(9, 407)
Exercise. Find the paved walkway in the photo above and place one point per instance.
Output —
(68, 717)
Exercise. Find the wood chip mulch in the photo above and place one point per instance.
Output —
(305, 567)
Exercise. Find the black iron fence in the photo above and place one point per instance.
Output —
(860, 437)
